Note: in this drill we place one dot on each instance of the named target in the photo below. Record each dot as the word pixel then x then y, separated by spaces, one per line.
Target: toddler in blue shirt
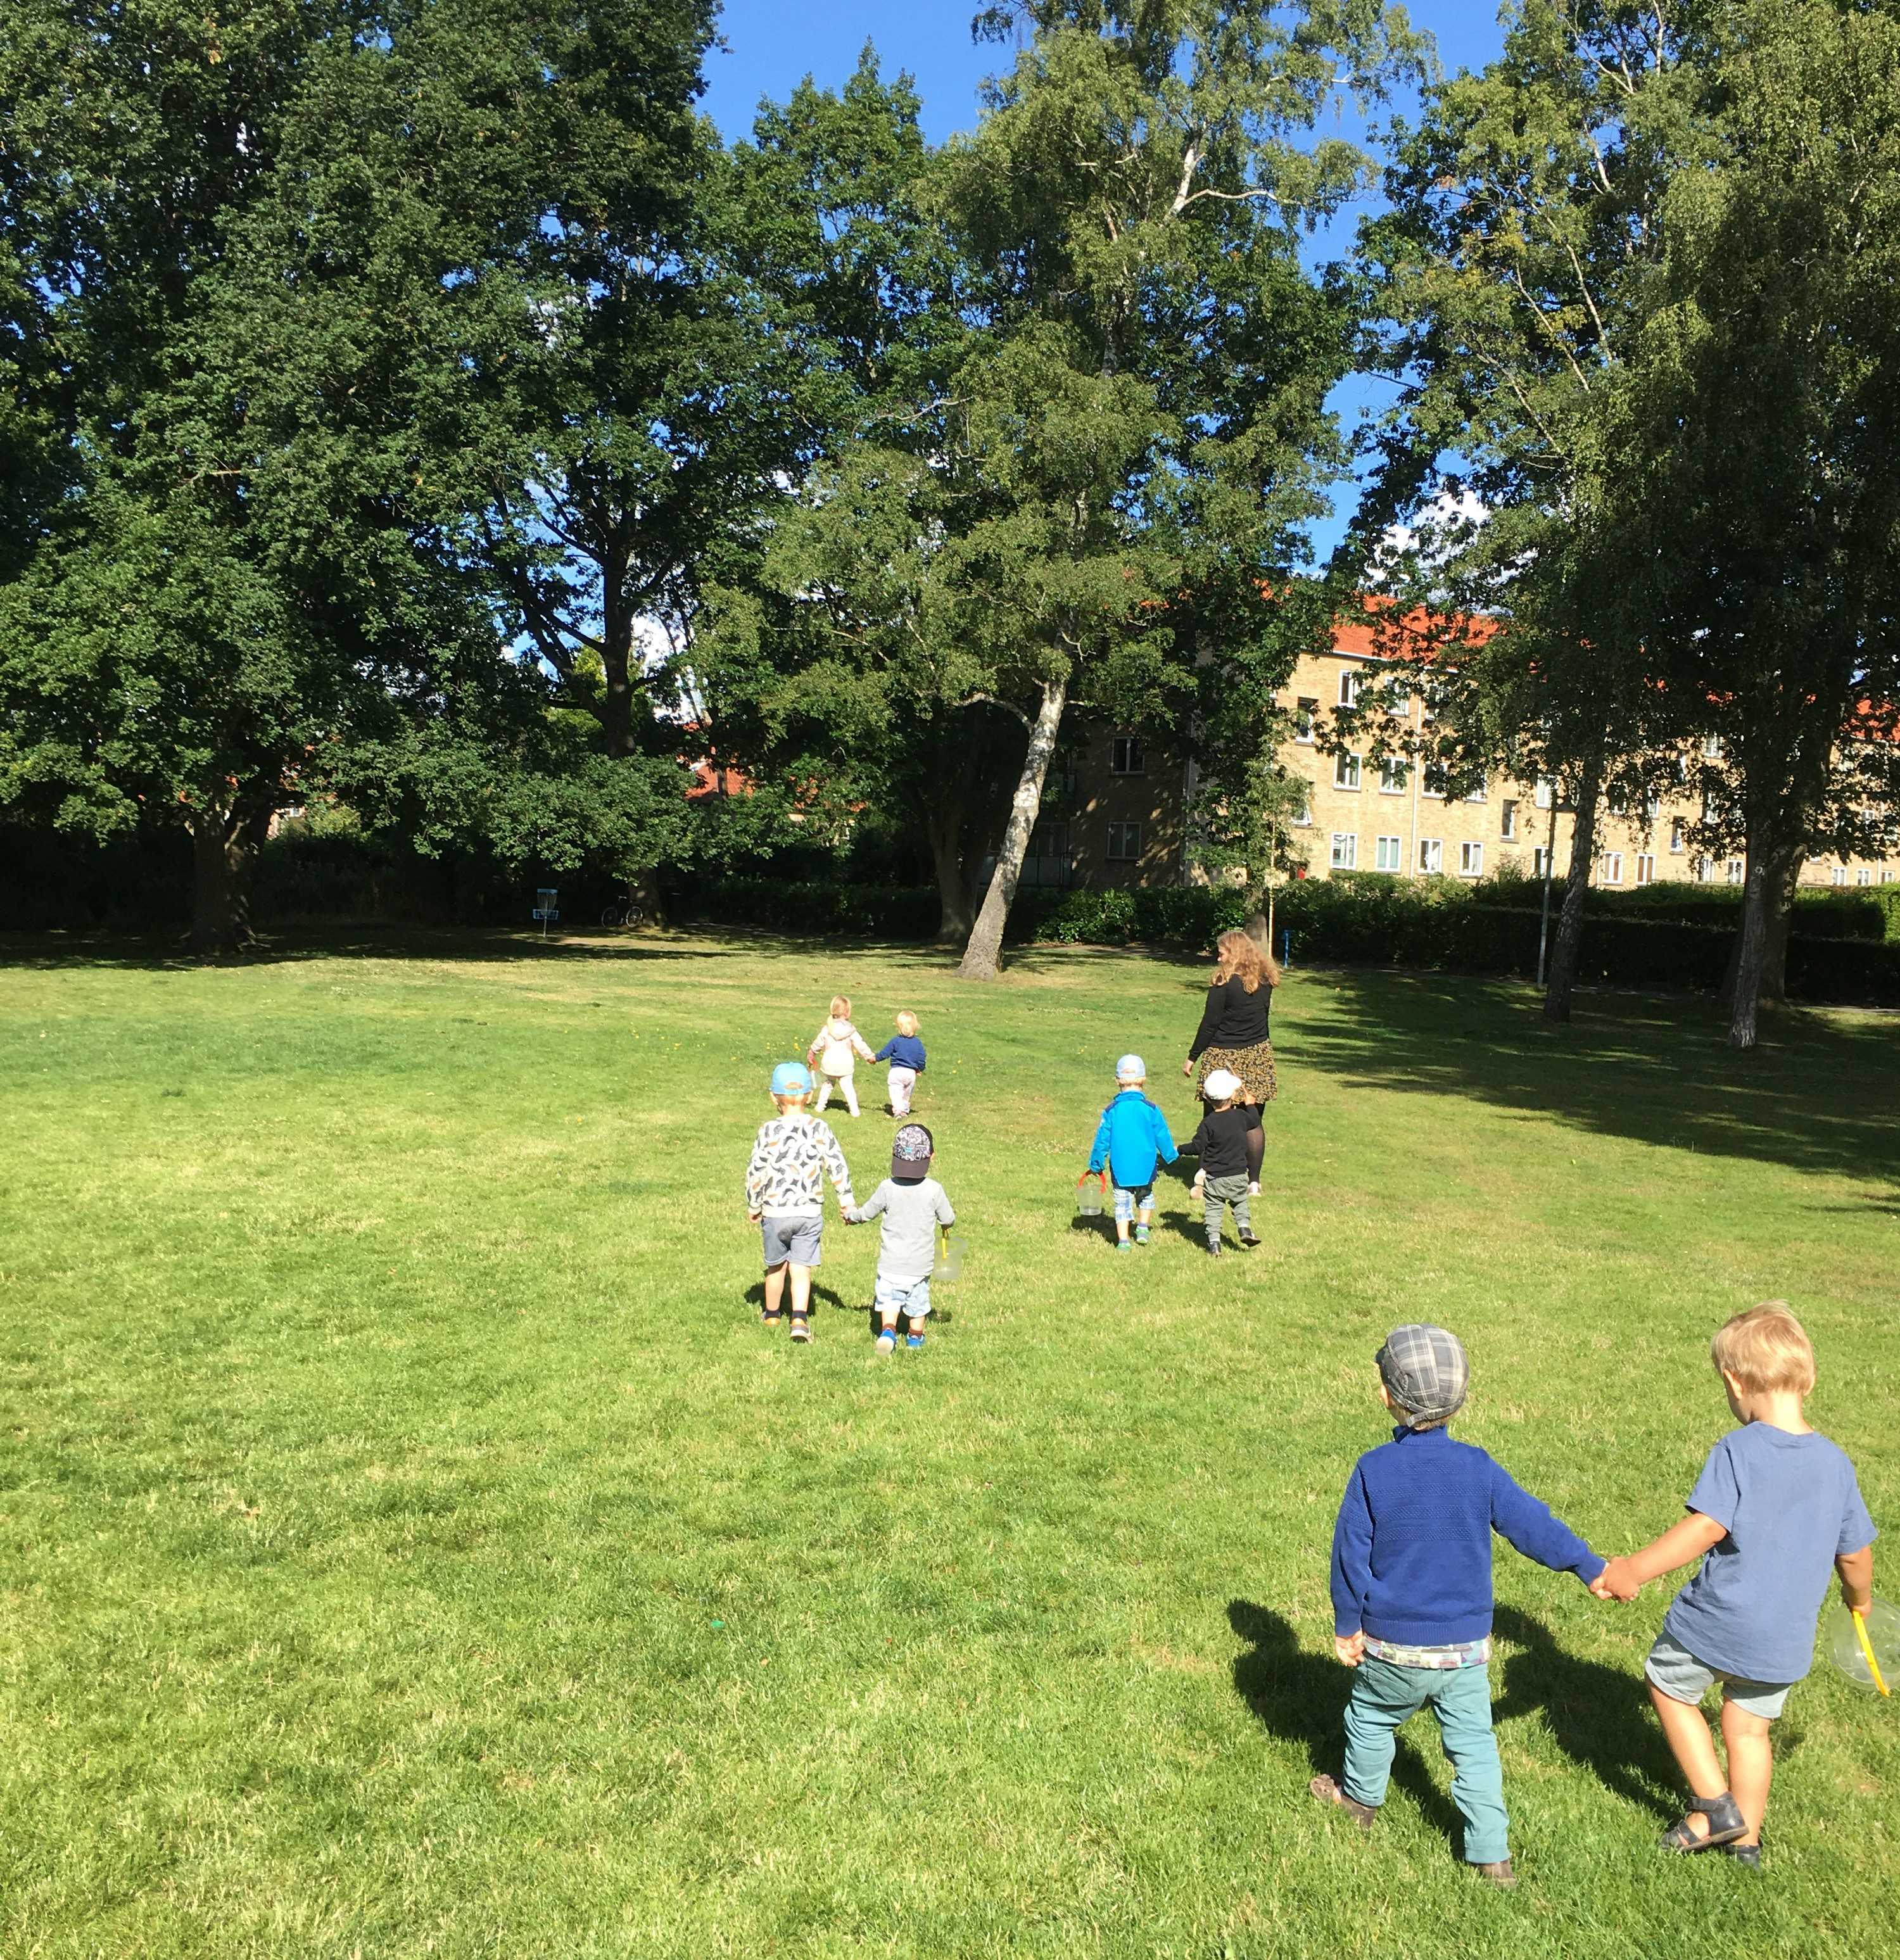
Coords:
pixel 1776 1510
pixel 1411 1592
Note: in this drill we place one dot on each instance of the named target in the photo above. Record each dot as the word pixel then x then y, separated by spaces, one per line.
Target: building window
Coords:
pixel 1305 711
pixel 1391 777
pixel 1432 782
pixel 1125 843
pixel 1712 748
pixel 1886 877
pixel 1540 862
pixel 1304 815
pixel 1388 857
pixel 1675 836
pixel 1350 682
pixel 1610 867
pixel 1399 697
pixel 1737 870
pixel 1838 874
pixel 1704 870
pixel 1476 793
pixel 1507 822
pixel 1345 770
pixel 1125 757
pixel 1652 809
pixel 1431 855
pixel 1864 875
pixel 1471 860
pixel 1345 850
pixel 1542 793
pixel 1645 867
pixel 1046 862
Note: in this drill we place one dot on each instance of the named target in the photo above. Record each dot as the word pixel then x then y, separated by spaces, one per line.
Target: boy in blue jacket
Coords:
pixel 1131 1138
pixel 1412 1591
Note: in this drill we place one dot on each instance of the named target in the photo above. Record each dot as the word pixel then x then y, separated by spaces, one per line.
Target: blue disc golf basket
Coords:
pixel 546 906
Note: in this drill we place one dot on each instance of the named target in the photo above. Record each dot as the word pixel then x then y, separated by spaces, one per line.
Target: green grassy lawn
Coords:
pixel 413 1544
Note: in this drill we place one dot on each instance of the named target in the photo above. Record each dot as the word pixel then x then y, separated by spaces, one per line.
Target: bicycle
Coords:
pixel 621 911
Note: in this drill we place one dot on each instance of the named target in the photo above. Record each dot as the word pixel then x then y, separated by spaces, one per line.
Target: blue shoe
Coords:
pixel 887 1340
pixel 913 1340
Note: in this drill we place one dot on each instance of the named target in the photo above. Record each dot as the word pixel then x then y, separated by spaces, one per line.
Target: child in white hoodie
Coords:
pixel 834 1053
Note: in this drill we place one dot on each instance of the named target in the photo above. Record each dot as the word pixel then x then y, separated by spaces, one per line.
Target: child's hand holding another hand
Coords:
pixel 1350 1648
pixel 1617 1582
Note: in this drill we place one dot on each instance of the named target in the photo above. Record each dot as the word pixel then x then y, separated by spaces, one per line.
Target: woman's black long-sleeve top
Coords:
pixel 1232 1018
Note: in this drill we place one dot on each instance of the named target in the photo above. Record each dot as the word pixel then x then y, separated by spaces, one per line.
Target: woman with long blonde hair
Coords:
pixel 1233 1031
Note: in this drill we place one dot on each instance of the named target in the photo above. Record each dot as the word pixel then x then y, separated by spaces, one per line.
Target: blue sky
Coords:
pixel 771 45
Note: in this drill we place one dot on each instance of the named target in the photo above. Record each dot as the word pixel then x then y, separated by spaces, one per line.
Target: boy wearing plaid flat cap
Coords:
pixel 1412 1591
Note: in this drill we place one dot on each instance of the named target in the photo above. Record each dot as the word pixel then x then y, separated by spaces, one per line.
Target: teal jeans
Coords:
pixel 1384 1697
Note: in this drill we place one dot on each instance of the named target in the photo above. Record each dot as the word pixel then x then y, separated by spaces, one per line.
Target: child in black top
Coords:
pixel 1230 1144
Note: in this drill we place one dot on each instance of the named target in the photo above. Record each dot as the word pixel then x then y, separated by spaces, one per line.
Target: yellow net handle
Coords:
pixel 1866 1647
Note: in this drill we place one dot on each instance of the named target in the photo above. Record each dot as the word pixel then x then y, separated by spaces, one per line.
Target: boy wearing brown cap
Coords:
pixel 1412 1591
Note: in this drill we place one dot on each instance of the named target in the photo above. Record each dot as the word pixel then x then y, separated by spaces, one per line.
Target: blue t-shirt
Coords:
pixel 1790 1506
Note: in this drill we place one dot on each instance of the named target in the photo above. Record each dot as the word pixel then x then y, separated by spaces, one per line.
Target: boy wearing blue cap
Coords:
pixel 1131 1138
pixel 792 1155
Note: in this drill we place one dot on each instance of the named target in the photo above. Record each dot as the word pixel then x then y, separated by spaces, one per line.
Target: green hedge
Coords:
pixel 778 904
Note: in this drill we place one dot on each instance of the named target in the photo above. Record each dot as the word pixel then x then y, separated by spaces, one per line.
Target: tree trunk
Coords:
pixel 224 844
pixel 1763 941
pixel 617 660
pixel 944 821
pixel 1570 918
pixel 981 956
pixel 1774 972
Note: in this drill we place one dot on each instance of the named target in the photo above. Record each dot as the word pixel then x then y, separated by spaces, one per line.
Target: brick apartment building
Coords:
pixel 1114 810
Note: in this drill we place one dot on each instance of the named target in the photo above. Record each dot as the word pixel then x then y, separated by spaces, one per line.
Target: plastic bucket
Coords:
pixel 949 1268
pixel 1089 1191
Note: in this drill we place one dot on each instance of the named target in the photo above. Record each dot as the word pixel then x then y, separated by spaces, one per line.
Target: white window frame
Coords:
pixel 1351 680
pixel 1431 855
pixel 1864 875
pixel 1303 816
pixel 1705 870
pixel 1424 783
pixel 1390 855
pixel 1712 748
pixel 1507 821
pixel 1645 867
pixel 1479 794
pixel 1393 773
pixel 1345 850
pixel 1125 856
pixel 1738 871
pixel 1347 764
pixel 1543 792
pixel 1470 860
pixel 1126 756
pixel 1306 712
pixel 1609 866
pixel 1837 874
pixel 1538 854
pixel 1678 843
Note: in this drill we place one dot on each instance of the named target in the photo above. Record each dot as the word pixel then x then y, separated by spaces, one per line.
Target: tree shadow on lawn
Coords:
pixel 167 952
pixel 1817 1094
pixel 1598 1715
pixel 1302 1696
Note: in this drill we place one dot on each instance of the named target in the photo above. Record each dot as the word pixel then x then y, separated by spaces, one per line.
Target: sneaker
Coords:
pixel 1124 1245
pixel 913 1340
pixel 1140 1235
pixel 1328 1791
pixel 769 1319
pixel 887 1340
pixel 1214 1249
pixel 1498 1874
pixel 801 1327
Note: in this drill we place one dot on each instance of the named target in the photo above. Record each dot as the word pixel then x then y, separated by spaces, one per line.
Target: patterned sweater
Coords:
pixel 790 1158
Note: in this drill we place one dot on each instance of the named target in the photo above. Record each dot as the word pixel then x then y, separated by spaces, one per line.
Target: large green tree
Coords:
pixel 272 264
pixel 1516 269
pixel 1756 444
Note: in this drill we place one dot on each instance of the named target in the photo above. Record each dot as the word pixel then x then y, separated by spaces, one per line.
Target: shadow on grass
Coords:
pixel 1817 1095
pixel 821 1296
pixel 1598 1715
pixel 1301 1696
pixel 370 941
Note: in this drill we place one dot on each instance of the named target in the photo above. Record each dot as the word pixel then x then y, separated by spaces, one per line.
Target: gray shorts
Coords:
pixel 1682 1677
pixel 793 1239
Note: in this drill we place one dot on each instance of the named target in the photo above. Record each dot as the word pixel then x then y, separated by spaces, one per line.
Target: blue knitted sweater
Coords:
pixel 1412 1550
